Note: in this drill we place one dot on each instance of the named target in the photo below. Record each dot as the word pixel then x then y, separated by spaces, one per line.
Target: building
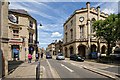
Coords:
pixel 58 47
pixel 51 48
pixel 3 38
pixel 22 34
pixel 79 36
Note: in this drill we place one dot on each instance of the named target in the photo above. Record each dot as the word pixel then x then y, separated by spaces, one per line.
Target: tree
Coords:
pixel 108 29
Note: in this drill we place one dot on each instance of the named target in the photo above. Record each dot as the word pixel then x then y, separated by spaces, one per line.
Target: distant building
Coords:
pixel 51 48
pixel 22 34
pixel 58 47
pixel 4 36
pixel 79 36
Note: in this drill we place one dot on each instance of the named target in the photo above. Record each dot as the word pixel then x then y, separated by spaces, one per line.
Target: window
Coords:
pixel 16 31
pixel 71 31
pixel 31 24
pixel 17 19
pixel 15 36
pixel 92 29
pixel 66 36
pixel 66 27
pixel 81 31
pixel 30 38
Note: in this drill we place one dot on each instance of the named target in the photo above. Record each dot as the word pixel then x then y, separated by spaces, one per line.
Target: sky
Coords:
pixel 52 15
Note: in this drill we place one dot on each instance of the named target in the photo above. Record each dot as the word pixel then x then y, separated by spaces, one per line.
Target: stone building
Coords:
pixel 22 34
pixel 51 48
pixel 4 37
pixel 79 36
pixel 58 47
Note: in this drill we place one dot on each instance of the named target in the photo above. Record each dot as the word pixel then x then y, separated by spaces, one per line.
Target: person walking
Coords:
pixel 29 58
pixel 41 55
pixel 37 56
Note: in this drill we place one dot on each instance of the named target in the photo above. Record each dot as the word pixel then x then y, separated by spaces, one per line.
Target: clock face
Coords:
pixel 81 19
pixel 12 18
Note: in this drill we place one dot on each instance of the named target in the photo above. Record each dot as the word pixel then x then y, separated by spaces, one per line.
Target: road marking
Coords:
pixel 67 68
pixel 73 64
pixel 80 66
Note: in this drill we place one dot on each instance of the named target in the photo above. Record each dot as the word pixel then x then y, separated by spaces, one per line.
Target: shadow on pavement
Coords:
pixel 12 65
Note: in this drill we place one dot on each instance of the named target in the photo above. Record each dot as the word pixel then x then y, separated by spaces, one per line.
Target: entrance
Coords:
pixel 15 52
pixel 82 50
pixel 103 49
pixel 66 52
pixel 71 50
pixel 2 65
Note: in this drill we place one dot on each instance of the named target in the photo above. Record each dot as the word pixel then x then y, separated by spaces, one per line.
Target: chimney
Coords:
pixel 88 5
pixel 88 10
pixel 98 11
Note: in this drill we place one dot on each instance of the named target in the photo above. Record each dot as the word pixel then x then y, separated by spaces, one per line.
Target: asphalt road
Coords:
pixel 70 70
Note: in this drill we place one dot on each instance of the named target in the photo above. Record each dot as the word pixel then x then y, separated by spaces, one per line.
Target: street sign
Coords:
pixel 0 64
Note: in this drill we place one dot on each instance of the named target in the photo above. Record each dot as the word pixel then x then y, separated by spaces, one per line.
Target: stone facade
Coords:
pixel 79 36
pixel 58 47
pixel 51 48
pixel 22 35
pixel 4 35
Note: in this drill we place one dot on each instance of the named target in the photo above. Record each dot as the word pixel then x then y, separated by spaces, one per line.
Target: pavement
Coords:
pixel 25 70
pixel 28 70
pixel 98 68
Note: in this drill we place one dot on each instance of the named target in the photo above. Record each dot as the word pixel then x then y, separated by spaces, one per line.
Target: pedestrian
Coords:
pixel 29 58
pixel 37 56
pixel 41 55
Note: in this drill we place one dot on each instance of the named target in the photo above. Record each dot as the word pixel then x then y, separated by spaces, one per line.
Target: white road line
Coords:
pixel 80 66
pixel 64 61
pixel 67 68
pixel 73 64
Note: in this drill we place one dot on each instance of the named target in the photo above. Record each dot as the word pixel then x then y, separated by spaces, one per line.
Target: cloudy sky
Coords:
pixel 53 14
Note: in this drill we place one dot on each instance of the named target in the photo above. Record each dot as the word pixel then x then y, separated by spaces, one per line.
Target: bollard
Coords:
pixel 38 71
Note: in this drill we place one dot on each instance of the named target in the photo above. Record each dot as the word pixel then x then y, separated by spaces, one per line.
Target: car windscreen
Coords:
pixel 60 54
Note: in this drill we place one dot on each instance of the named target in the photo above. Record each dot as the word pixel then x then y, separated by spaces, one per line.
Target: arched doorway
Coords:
pixel 103 48
pixel 82 50
pixel 93 48
pixel 71 50
pixel 65 51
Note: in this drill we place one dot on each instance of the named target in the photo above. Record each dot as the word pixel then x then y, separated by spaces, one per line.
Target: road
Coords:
pixel 62 69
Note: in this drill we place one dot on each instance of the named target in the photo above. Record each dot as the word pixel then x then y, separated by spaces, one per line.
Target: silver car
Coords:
pixel 60 56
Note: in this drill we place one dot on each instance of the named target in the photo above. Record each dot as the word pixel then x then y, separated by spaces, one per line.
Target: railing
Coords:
pixel 38 71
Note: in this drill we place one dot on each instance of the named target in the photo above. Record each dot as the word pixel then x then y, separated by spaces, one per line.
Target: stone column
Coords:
pixel 98 17
pixel 4 35
pixel 89 43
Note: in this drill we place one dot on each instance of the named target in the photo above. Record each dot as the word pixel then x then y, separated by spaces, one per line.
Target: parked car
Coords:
pixel 48 56
pixel 76 57
pixel 60 56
